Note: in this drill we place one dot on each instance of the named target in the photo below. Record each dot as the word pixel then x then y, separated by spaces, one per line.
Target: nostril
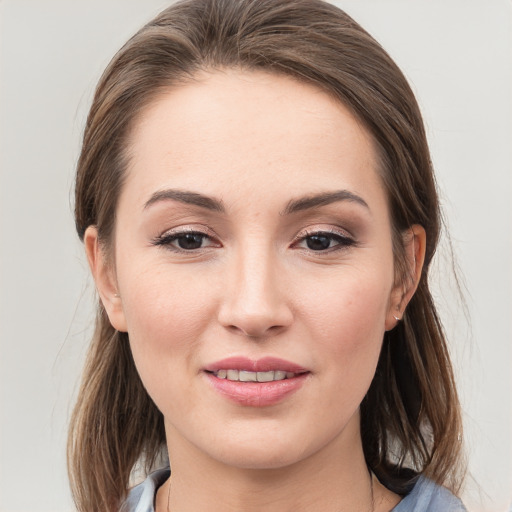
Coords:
pixel 255 332
pixel 255 310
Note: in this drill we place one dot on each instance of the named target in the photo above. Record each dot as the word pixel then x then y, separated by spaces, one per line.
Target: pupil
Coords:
pixel 318 243
pixel 190 241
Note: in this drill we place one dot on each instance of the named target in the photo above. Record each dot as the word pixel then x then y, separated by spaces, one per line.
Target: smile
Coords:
pixel 247 376
pixel 256 383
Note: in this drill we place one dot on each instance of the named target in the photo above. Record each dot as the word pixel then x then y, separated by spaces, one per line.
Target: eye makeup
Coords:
pixel 187 239
pixel 321 241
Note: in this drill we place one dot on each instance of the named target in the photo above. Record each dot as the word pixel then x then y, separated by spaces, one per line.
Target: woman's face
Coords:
pixel 253 242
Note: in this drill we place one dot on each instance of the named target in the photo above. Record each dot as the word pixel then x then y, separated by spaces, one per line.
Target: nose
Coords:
pixel 254 298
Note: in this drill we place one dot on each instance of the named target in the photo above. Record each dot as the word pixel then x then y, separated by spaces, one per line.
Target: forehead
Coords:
pixel 232 130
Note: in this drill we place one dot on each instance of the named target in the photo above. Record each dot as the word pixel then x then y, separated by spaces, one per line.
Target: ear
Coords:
pixel 105 279
pixel 414 243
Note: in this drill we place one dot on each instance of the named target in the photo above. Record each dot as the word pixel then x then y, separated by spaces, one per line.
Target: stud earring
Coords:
pixel 396 318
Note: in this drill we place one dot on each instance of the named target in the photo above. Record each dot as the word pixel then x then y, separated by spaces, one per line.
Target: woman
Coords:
pixel 259 212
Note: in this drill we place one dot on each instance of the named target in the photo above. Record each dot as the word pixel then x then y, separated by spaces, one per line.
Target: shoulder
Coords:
pixel 141 498
pixel 426 496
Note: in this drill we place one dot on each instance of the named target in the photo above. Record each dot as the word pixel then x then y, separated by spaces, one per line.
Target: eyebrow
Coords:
pixel 186 197
pixel 293 206
pixel 322 199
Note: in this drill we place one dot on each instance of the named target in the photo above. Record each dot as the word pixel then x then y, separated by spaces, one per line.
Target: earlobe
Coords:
pixel 414 244
pixel 104 278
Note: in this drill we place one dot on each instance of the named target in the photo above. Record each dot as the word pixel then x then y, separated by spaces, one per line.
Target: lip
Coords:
pixel 256 394
pixel 265 364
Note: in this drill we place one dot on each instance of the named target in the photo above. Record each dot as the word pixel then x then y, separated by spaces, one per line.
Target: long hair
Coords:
pixel 410 418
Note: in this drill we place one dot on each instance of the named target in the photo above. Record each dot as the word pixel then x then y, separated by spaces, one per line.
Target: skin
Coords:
pixel 254 287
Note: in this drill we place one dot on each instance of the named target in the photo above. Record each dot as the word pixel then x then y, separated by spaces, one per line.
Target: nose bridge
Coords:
pixel 254 301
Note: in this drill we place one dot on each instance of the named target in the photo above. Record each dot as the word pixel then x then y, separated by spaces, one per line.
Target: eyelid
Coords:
pixel 323 230
pixel 167 236
pixel 189 228
pixel 342 237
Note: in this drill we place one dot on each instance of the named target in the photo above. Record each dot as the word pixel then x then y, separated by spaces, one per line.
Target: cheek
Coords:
pixel 355 303
pixel 346 329
pixel 346 321
pixel 166 312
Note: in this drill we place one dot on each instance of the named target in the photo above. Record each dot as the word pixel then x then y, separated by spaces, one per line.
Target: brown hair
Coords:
pixel 410 418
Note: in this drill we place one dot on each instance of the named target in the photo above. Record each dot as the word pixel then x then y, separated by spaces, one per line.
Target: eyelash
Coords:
pixel 342 241
pixel 166 240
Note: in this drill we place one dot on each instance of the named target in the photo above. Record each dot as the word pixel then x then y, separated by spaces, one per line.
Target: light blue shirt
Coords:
pixel 426 496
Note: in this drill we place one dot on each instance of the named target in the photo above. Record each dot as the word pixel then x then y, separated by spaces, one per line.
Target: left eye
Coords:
pixel 188 241
pixel 324 241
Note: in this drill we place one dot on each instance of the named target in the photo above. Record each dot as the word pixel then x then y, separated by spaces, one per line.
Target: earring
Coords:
pixel 116 295
pixel 396 318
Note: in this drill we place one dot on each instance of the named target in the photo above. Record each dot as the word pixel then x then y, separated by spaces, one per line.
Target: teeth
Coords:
pixel 267 376
pixel 246 376
pixel 232 375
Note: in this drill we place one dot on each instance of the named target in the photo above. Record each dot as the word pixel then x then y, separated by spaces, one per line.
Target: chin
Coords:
pixel 257 459
pixel 260 449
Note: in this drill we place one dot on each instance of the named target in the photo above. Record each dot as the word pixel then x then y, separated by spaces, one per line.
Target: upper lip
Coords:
pixel 265 364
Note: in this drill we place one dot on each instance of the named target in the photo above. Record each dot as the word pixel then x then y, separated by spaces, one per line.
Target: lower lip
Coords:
pixel 257 394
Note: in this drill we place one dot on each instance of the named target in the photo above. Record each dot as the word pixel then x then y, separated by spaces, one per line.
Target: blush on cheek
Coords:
pixel 352 339
pixel 166 334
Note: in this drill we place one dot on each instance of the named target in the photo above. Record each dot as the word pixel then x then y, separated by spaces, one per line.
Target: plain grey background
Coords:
pixel 457 55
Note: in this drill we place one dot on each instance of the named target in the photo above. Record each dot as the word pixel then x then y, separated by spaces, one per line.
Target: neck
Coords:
pixel 333 479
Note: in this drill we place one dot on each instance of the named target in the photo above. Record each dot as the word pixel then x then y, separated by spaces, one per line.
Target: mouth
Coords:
pixel 248 376
pixel 260 383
